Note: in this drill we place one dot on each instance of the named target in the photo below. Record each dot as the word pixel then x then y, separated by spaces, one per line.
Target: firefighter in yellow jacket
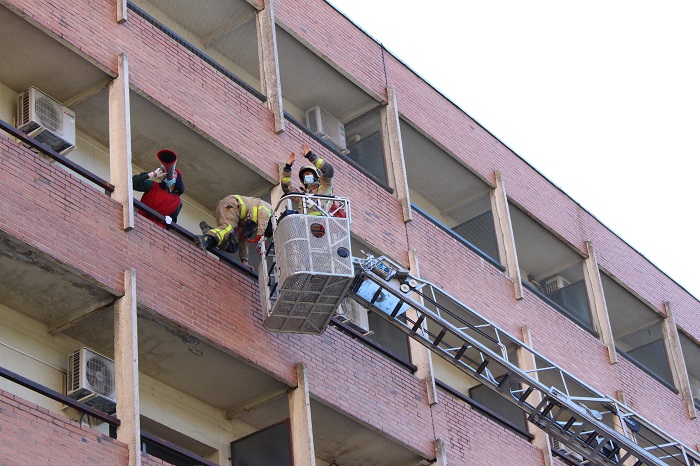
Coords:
pixel 316 178
pixel 241 220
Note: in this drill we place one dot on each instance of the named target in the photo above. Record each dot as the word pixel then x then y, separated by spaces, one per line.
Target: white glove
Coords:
pixel 157 173
pixel 168 220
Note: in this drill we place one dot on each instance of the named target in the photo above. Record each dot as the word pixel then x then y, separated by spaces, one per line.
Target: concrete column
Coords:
pixel 676 360
pixel 420 355
pixel 596 298
pixel 269 65
pixel 120 141
pixel 526 361
pixel 127 368
pixel 300 420
pixel 121 11
pixel 393 151
pixel 440 453
pixel 504 234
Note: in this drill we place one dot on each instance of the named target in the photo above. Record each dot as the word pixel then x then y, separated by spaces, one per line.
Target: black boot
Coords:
pixel 204 226
pixel 205 241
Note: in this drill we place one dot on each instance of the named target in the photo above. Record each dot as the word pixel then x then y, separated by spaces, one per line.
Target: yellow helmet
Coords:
pixel 309 168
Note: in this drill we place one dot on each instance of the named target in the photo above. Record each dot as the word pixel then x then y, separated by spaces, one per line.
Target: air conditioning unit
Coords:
pixel 565 450
pixel 327 126
pixel 352 313
pixel 91 380
pixel 46 120
pixel 555 283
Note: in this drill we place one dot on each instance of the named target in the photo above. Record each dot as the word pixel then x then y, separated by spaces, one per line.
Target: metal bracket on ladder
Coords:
pixel 566 416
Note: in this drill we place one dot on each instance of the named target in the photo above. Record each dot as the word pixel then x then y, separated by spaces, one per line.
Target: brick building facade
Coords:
pixel 227 85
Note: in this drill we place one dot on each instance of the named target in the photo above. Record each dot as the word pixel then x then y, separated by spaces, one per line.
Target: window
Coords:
pixel 551 269
pixel 637 330
pixel 691 355
pixel 448 193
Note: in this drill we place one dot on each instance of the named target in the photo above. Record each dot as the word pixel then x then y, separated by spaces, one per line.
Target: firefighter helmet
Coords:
pixel 309 168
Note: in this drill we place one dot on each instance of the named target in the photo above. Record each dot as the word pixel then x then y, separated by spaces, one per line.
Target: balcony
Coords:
pixel 551 269
pixel 448 193
pixel 636 328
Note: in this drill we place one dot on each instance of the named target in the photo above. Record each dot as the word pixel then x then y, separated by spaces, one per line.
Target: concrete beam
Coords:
pixel 596 298
pixel 253 403
pixel 87 93
pixel 393 152
pixel 420 355
pixel 676 360
pixel 269 65
pixel 300 421
pixel 127 368
pixel 526 362
pixel 257 4
pixel 232 25
pixel 120 141
pixel 504 234
pixel 74 318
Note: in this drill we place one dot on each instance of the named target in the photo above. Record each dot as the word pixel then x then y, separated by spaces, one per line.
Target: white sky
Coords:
pixel 607 91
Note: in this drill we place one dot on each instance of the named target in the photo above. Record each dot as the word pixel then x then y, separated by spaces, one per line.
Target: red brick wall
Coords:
pixel 475 440
pixel 208 297
pixel 30 435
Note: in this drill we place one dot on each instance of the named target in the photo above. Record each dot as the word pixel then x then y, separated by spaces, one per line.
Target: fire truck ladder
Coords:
pixel 593 428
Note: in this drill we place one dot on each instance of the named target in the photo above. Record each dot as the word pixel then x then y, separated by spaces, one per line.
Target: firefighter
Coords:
pixel 241 220
pixel 316 178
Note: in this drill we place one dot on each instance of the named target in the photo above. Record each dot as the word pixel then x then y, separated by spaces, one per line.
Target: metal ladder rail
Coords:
pixel 650 435
pixel 555 413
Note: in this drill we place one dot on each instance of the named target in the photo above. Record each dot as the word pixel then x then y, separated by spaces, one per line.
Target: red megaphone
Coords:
pixel 167 159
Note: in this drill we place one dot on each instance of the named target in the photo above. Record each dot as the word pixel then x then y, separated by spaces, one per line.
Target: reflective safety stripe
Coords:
pixel 255 212
pixel 241 207
pixel 220 233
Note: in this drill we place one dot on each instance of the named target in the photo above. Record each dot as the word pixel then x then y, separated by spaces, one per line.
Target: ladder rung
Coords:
pixel 461 352
pixel 418 323
pixel 482 366
pixel 525 394
pixel 396 310
pixel 568 424
pixel 592 436
pixel 439 338
pixel 376 295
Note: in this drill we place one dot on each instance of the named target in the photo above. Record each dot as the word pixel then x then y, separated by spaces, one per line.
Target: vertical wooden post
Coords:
pixel 300 420
pixel 120 141
pixel 526 362
pixel 504 234
pixel 121 11
pixel 420 355
pixel 676 360
pixel 440 452
pixel 596 298
pixel 269 65
pixel 394 147
pixel 127 368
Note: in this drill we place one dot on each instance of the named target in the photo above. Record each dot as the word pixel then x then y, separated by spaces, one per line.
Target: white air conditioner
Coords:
pixel 91 380
pixel 46 120
pixel 555 283
pixel 327 126
pixel 565 450
pixel 352 313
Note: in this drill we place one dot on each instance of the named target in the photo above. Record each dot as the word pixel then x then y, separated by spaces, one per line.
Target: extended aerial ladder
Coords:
pixel 301 290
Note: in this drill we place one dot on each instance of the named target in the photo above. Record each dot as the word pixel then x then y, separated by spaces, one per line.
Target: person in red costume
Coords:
pixel 160 194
